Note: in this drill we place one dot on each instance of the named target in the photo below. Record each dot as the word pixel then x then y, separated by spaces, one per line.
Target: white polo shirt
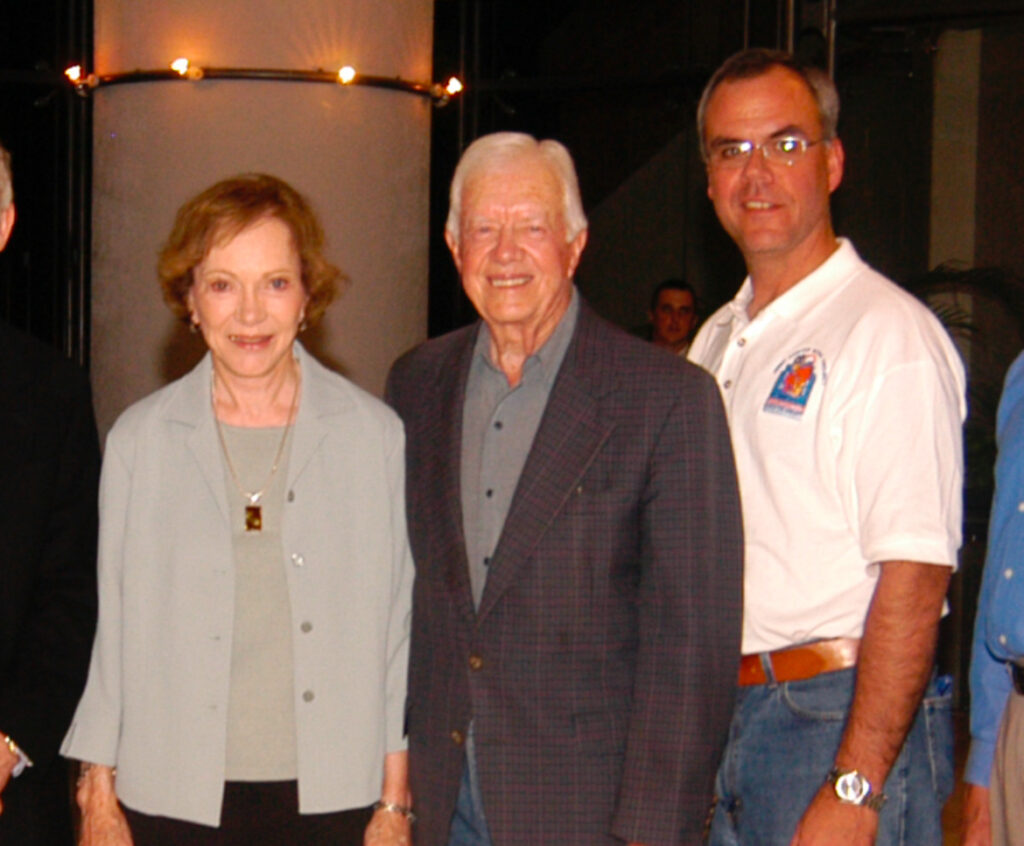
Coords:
pixel 845 399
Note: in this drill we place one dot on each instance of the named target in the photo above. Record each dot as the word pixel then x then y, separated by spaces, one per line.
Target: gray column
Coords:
pixel 361 155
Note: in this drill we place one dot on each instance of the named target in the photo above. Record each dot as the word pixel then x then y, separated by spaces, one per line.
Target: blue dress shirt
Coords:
pixel 999 626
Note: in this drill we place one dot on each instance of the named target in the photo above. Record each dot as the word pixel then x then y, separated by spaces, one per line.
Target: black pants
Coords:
pixel 255 814
pixel 37 807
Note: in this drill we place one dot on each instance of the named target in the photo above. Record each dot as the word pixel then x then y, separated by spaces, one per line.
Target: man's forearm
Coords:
pixel 894 664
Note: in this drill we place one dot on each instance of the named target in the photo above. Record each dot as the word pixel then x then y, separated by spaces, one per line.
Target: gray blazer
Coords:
pixel 155 704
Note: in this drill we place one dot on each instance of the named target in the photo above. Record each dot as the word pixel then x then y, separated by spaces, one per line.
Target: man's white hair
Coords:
pixel 489 150
pixel 6 186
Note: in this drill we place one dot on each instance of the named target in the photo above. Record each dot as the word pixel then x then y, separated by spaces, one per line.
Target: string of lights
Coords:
pixel 183 69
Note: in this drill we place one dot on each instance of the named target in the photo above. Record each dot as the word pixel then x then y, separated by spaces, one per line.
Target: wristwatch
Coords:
pixel 853 789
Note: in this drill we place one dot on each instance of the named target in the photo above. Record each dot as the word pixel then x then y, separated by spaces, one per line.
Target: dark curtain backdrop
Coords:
pixel 44 270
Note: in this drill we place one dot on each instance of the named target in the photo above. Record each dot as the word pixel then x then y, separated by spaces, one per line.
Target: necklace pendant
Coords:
pixel 253 518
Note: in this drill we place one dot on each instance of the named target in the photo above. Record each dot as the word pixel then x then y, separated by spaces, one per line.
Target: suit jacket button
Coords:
pixel 457 737
pixel 475 662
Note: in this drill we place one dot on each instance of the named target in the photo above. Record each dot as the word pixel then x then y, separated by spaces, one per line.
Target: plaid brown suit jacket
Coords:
pixel 600 668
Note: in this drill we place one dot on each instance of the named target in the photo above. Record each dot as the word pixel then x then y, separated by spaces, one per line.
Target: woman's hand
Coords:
pixel 392 826
pixel 105 830
pixel 388 828
pixel 103 823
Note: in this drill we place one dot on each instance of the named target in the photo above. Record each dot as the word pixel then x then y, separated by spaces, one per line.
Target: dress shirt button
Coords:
pixel 1002 640
pixel 291 496
pixel 306 626
pixel 476 662
pixel 727 383
pixel 1020 507
pixel 742 342
pixel 297 559
pixel 308 696
pixel 457 737
pixel 1008 573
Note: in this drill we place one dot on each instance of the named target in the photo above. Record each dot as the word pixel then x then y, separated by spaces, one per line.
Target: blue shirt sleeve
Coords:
pixel 999 626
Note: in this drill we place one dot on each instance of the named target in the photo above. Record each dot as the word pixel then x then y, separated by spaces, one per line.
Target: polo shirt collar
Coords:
pixel 809 291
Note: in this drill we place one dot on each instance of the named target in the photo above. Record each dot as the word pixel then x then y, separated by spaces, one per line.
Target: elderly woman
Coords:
pixel 247 683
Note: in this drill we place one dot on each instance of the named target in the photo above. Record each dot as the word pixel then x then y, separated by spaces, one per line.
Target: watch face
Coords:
pixel 852 787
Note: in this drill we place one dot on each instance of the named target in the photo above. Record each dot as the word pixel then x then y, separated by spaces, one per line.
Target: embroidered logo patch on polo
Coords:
pixel 795 383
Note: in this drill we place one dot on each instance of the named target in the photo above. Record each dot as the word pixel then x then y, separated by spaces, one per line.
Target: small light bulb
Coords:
pixel 180 66
pixel 74 73
pixel 454 86
pixel 346 74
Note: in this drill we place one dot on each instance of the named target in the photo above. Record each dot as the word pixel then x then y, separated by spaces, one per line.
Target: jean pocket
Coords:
pixel 824 698
pixel 937 709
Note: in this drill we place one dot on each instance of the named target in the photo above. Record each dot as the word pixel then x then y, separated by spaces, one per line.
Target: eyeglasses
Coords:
pixel 785 150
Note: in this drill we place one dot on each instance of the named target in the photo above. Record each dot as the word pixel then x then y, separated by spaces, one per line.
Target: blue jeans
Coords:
pixel 782 744
pixel 469 825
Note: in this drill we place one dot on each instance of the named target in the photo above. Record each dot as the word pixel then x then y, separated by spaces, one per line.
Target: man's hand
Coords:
pixel 977 824
pixel 8 761
pixel 829 821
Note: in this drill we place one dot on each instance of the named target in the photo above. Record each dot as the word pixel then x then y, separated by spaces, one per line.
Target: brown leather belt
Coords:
pixel 805 661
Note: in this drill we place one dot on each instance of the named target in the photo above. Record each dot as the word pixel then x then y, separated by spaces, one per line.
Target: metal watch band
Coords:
pixel 852 788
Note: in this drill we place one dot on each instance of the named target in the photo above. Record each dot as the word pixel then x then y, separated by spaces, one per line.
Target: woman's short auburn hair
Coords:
pixel 220 213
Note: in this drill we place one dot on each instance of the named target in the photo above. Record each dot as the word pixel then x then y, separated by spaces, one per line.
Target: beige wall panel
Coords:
pixel 955 148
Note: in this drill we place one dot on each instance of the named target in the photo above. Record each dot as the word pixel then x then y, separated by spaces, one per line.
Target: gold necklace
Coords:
pixel 253 508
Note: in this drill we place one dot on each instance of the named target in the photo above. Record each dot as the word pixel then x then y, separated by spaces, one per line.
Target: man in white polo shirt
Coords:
pixel 845 400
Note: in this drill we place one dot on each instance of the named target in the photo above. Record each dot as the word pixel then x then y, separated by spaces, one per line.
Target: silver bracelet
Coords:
pixel 83 771
pixel 395 808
